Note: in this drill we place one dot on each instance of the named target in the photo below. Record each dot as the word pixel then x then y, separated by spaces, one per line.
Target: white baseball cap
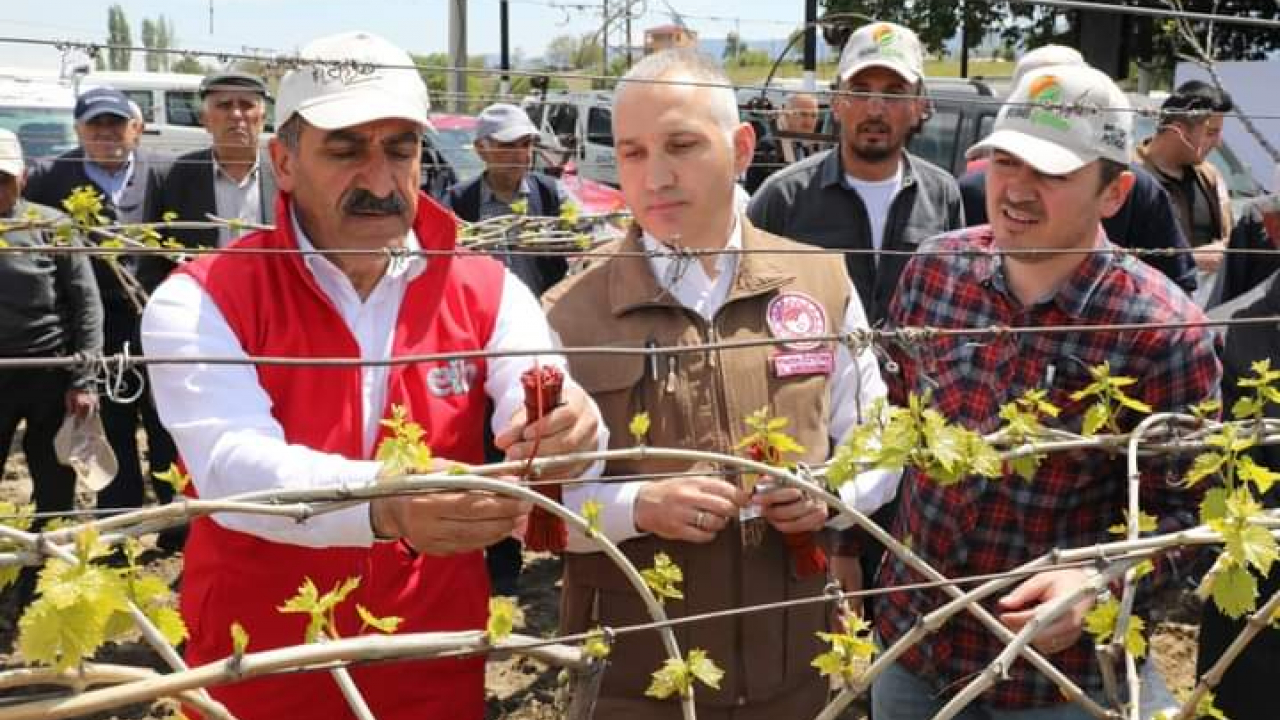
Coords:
pixel 10 154
pixel 505 123
pixel 339 96
pixel 1043 57
pixel 1060 119
pixel 883 45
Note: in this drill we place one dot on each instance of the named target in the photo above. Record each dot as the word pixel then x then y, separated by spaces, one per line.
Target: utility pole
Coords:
pixel 810 45
pixel 504 30
pixel 628 27
pixel 964 38
pixel 457 78
pixel 604 40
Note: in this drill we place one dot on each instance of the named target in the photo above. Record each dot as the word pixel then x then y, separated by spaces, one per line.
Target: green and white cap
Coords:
pixel 885 45
pixel 1060 119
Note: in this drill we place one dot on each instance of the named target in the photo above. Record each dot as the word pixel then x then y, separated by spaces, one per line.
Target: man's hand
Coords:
pixel 444 523
pixel 791 510
pixel 1020 606
pixel 81 403
pixel 1209 257
pixel 571 427
pixel 692 509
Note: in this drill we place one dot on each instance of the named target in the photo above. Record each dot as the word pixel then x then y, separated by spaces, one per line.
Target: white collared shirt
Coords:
pixel 236 200
pixel 855 384
pixel 220 417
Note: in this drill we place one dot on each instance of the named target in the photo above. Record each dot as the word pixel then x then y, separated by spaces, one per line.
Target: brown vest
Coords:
pixel 699 401
pixel 1208 180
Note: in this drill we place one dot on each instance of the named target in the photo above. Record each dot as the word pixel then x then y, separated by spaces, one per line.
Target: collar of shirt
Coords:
pixel 402 268
pixel 684 277
pixel 220 175
pixel 486 192
pixel 112 183
pixel 1072 296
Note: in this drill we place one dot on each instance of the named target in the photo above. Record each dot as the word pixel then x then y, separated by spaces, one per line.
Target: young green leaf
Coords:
pixel 1235 591
pixel 596 645
pixel 175 477
pixel 385 625
pixel 676 677
pixel 639 427
pixel 239 639
pixel 591 513
pixel 664 578
pixel 503 616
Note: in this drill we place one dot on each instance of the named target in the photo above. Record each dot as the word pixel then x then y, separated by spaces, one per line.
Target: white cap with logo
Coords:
pixel 885 45
pixel 10 154
pixel 338 96
pixel 1043 57
pixel 1060 119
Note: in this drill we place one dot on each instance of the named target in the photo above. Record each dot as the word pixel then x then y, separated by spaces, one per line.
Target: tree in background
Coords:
pixel 567 52
pixel 157 36
pixel 733 47
pixel 118 36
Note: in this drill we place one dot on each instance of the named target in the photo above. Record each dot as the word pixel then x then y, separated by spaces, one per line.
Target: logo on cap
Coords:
pixel 883 35
pixel 1045 90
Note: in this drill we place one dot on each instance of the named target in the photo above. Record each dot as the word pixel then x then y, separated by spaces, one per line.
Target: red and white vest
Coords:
pixel 275 308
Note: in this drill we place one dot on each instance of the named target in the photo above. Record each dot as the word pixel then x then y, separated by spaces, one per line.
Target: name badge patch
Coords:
pixel 798 318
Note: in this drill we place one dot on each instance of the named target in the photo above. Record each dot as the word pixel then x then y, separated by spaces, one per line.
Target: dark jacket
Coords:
pixel 185 186
pixel 49 183
pixel 1242 272
pixel 1145 220
pixel 809 202
pixel 48 301
pixel 1238 694
pixel 537 272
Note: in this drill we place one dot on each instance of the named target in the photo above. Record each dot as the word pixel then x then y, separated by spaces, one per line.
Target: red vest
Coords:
pixel 275 308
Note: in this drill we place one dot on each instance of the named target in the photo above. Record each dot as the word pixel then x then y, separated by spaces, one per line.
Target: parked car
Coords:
pixel 449 157
pixel 39 110
pixel 576 127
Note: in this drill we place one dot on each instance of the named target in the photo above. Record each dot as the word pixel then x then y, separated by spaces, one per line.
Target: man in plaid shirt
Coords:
pixel 1059 157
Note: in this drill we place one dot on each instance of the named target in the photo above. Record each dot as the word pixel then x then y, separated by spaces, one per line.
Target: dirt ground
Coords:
pixel 519 688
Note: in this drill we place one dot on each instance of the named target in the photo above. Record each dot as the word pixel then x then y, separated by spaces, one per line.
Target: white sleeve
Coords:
pixel 220 418
pixel 854 387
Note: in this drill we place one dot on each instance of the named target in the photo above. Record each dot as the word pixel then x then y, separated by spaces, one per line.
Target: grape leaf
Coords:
pixel 596 645
pixel 1235 591
pixel 639 427
pixel 591 513
pixel 503 616
pixel 386 625
pixel 664 578
pixel 239 639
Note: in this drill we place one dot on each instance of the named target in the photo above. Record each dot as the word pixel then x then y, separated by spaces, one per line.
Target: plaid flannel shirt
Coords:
pixel 989 526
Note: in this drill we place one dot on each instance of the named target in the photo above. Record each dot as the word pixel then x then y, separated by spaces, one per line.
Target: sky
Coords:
pixel 420 26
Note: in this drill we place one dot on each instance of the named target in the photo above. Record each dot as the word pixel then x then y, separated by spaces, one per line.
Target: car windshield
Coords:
pixel 43 131
pixel 1240 182
pixel 456 146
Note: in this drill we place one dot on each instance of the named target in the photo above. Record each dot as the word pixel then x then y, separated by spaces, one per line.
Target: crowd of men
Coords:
pixel 1022 241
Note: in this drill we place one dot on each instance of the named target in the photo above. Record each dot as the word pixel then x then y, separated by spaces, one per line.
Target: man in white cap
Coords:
pixel 869 192
pixel 347 158
pixel 1059 165
pixel 504 140
pixel 48 306
pixel 1145 220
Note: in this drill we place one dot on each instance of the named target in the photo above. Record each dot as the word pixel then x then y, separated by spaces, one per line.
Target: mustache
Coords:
pixel 874 126
pixel 363 202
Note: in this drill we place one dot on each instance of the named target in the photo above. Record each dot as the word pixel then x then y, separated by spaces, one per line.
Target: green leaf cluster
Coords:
pixel 849 652
pixel 1107 392
pixel 1100 622
pixel 664 578
pixel 676 677
pixel 404 450
pixel 18 517
pixel 504 617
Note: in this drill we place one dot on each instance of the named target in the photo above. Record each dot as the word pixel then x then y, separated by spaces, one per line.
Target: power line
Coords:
pixel 1152 12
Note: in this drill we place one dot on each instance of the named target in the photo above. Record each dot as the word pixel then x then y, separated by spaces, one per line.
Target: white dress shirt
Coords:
pixel 855 384
pixel 220 416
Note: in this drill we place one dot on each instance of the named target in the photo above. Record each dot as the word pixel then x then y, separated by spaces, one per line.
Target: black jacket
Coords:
pixel 185 186
pixel 537 272
pixel 50 182
pixel 1145 220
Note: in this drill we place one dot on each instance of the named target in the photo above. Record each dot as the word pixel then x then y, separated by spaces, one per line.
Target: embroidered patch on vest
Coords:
pixel 796 316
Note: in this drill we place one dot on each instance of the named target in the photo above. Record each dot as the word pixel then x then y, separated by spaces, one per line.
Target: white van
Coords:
pixel 39 109
pixel 582 125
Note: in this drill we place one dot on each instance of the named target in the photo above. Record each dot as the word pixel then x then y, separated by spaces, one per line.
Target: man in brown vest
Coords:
pixel 680 145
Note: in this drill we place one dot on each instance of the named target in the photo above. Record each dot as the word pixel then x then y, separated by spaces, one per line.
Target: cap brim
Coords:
pixel 1045 156
pixel 898 68
pixel 99 112
pixel 512 134
pixel 348 109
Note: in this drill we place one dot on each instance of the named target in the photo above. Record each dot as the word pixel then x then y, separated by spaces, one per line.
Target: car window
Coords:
pixel 43 132
pixel 181 107
pixel 600 126
pixel 145 102
pixel 563 120
pixel 458 149
pixel 534 111
pixel 936 141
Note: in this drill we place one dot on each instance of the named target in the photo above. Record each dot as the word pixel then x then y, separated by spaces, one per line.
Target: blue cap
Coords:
pixel 102 101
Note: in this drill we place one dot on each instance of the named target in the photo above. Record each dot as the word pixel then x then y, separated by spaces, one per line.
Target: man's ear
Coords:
pixel 282 163
pixel 1116 193
pixel 744 146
